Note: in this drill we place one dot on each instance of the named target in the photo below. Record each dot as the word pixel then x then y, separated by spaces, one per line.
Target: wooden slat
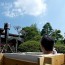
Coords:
pixel 40 60
pixel 57 59
pixel 8 61
pixel 1 59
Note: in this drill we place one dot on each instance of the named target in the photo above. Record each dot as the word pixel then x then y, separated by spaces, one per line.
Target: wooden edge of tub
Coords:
pixel 9 61
pixel 49 60
pixel 1 58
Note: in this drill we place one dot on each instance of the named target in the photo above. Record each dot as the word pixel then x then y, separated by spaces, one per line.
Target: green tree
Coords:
pixel 30 32
pixel 57 35
pixel 47 29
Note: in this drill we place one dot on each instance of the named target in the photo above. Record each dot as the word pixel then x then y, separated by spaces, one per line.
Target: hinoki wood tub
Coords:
pixel 31 58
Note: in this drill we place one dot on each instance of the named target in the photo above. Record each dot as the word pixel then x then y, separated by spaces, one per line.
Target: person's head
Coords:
pixel 47 44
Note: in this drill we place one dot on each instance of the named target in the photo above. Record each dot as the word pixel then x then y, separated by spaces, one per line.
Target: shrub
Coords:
pixel 60 48
pixel 30 46
pixel 59 42
pixel 37 38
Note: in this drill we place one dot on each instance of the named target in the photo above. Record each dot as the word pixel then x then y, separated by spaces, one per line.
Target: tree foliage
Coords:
pixel 47 29
pixel 30 32
pixel 57 35
pixel 32 37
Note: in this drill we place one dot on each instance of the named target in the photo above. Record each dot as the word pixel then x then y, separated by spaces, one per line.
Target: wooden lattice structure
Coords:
pixel 5 31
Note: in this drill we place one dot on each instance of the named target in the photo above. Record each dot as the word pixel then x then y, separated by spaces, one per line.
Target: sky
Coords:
pixel 27 12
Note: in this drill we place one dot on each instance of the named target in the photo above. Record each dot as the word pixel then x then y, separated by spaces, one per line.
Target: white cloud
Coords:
pixel 28 7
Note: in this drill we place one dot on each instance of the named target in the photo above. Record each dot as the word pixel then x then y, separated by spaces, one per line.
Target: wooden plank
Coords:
pixel 47 61
pixel 60 59
pixel 8 61
pixel 64 60
pixel 56 59
pixel 40 60
pixel 1 59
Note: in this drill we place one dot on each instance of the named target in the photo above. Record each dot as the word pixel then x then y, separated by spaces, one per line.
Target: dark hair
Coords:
pixel 47 42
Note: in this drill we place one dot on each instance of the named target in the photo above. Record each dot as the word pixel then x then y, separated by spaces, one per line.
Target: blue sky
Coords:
pixel 26 12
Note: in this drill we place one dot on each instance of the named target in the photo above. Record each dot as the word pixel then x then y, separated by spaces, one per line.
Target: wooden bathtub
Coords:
pixel 31 58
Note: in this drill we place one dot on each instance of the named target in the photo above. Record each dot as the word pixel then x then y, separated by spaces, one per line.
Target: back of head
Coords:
pixel 47 43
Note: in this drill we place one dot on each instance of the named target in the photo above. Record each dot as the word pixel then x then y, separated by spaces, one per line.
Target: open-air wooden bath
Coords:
pixel 31 58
